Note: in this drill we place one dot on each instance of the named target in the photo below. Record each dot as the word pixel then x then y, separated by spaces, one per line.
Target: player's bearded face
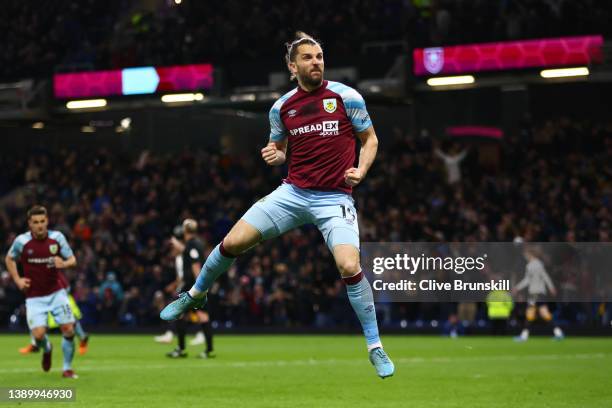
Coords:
pixel 38 225
pixel 310 65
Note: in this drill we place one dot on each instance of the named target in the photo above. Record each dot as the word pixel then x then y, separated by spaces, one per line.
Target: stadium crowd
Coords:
pixel 552 182
pixel 41 38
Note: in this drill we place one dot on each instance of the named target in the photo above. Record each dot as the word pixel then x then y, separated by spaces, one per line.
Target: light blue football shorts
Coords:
pixel 289 207
pixel 56 303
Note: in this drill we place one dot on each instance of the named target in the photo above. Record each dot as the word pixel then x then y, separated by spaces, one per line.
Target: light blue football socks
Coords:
pixel 78 330
pixel 362 300
pixel 68 351
pixel 216 264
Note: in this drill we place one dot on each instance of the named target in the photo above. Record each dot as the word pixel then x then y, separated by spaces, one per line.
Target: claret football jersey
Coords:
pixel 37 259
pixel 321 130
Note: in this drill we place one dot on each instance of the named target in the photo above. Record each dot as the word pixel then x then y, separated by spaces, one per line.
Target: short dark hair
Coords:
pixel 36 210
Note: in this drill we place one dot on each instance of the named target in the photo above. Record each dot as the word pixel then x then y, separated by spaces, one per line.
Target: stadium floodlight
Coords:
pixel 245 97
pixel 124 125
pixel 86 103
pixel 451 80
pixel 564 72
pixel 185 97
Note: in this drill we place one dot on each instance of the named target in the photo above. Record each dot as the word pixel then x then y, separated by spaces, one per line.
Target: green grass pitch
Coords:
pixel 325 371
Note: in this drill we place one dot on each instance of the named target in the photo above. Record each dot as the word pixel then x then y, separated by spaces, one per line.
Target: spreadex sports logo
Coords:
pixel 49 261
pixel 325 128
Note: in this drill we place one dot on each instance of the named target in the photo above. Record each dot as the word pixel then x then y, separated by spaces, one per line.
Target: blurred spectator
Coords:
pixel 452 162
pixel 111 284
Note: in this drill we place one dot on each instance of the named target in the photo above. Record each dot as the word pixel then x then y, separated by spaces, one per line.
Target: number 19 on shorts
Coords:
pixel 348 213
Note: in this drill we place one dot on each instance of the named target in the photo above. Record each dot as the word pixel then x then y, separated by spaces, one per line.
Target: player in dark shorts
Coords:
pixel 42 253
pixel 191 261
pixel 319 122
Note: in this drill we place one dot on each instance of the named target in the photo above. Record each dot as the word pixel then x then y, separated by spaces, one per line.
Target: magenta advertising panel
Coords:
pixel 551 52
pixel 133 81
pixel 87 84
pixel 480 131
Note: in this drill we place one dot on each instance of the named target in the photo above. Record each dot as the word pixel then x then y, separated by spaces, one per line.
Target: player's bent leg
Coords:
pixel 362 300
pixel 241 237
pixel 36 314
pixel 202 320
pixel 347 260
pixel 278 212
pixel 42 341
pixel 62 313
pixel 181 332
pixel 530 316
pixel 336 218
pixel 39 333
pixel 545 315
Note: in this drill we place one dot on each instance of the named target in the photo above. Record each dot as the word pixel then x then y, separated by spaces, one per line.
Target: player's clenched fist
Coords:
pixel 23 283
pixel 353 176
pixel 58 262
pixel 272 156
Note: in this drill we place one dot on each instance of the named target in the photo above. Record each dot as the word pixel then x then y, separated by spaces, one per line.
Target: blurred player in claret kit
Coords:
pixel 42 253
pixel 318 122
pixel 52 324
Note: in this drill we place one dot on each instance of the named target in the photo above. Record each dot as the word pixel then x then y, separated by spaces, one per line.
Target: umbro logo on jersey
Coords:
pixel 292 113
pixel 329 105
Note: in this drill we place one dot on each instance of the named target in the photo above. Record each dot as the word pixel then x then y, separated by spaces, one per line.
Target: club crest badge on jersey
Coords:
pixel 433 59
pixel 329 105
pixel 53 249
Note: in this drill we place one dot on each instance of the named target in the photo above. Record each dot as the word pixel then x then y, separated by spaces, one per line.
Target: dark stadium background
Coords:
pixel 117 191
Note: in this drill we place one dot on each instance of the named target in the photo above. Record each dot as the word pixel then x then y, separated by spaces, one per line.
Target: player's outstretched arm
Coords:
pixel 275 153
pixel 367 154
